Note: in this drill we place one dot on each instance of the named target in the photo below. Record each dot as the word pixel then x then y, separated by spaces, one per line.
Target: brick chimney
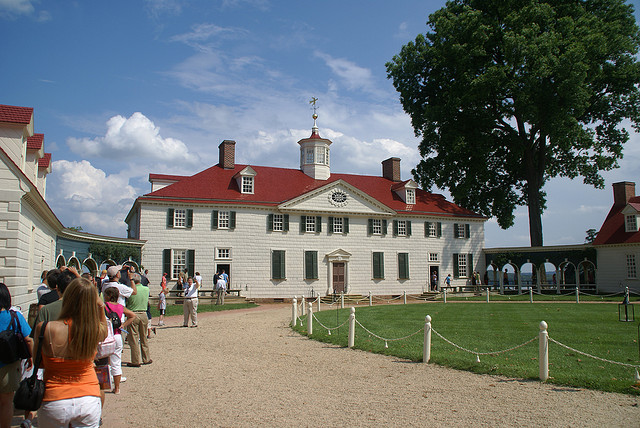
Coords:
pixel 623 191
pixel 227 157
pixel 391 169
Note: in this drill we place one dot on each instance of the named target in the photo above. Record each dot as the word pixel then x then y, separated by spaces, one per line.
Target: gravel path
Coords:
pixel 247 368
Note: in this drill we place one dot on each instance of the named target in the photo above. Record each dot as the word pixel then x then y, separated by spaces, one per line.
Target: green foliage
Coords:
pixel 509 94
pixel 591 236
pixel 117 252
pixel 590 328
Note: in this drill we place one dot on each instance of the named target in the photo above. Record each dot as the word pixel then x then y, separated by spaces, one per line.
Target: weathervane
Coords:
pixel 313 102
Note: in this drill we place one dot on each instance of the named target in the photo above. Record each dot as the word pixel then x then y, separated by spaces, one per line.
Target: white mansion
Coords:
pixel 282 232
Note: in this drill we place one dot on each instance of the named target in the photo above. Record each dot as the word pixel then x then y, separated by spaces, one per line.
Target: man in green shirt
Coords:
pixel 137 337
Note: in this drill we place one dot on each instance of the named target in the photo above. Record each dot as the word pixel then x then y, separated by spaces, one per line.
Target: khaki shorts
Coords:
pixel 10 376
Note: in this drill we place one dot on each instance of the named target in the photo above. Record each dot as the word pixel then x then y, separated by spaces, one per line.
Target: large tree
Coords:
pixel 508 94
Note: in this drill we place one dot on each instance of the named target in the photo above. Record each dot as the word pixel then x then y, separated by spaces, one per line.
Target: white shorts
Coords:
pixel 75 412
pixel 115 359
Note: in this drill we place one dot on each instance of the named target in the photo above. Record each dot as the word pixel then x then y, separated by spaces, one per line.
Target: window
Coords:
pixel 320 155
pixel 223 220
pixel 632 272
pixel 434 257
pixel 309 223
pixel 175 261
pixel 462 265
pixel 278 222
pixel 310 265
pixel 432 229
pixel 247 184
pixel 411 196
pixel 309 155
pixel 278 264
pixel 378 265
pixel 179 218
pixel 338 224
pixel 224 253
pixel 461 231
pixel 377 226
pixel 403 265
pixel 401 227
pixel 631 223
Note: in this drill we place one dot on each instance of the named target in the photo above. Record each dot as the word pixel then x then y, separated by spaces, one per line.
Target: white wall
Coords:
pixel 612 268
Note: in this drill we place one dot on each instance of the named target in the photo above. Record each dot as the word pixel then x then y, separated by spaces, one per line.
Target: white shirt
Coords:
pixel 191 291
pixel 125 291
pixel 221 284
pixel 198 279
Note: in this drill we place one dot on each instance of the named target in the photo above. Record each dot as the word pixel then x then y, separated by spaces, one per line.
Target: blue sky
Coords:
pixel 122 89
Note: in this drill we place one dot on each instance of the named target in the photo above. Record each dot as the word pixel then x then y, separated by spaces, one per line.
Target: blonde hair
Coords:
pixel 80 305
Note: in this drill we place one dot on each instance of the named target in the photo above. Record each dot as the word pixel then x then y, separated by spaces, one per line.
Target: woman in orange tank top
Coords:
pixel 72 392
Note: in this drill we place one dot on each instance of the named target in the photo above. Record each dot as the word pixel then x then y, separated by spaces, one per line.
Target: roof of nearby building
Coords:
pixel 613 228
pixel 45 161
pixel 35 142
pixel 274 186
pixel 15 114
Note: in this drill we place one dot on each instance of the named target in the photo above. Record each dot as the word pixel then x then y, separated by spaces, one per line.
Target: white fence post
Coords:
pixel 445 295
pixel 303 304
pixel 426 350
pixel 487 294
pixel 342 300
pixel 352 327
pixel 370 300
pixel 294 312
pixel 310 319
pixel 543 354
pixel 405 297
pixel 577 295
pixel 318 303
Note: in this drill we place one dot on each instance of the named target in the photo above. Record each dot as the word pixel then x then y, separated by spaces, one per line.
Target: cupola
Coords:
pixel 314 153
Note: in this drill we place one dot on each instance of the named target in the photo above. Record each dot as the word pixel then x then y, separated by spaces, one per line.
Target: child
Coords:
pixel 162 304
pixel 115 360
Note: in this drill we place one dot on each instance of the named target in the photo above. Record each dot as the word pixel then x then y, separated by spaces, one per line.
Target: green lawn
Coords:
pixel 177 309
pixel 480 327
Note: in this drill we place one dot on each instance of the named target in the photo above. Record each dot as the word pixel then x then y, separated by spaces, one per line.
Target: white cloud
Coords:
pixel 86 196
pixel 352 76
pixel 12 8
pixel 132 138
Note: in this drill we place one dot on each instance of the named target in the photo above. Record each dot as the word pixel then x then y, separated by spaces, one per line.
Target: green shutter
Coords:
pixel 427 225
pixel 330 225
pixel 467 231
pixel 403 266
pixel 170 218
pixel 303 223
pixel 277 264
pixel 166 263
pixel 378 265
pixel 456 271
pixel 270 222
pixel 214 219
pixel 439 229
pixel 189 218
pixel 318 224
pixel 370 229
pixel 232 220
pixel 311 265
pixel 395 227
pixel 345 225
pixel 285 223
pixel 191 261
pixel 455 230
pixel 384 227
pixel 408 227
pixel 469 265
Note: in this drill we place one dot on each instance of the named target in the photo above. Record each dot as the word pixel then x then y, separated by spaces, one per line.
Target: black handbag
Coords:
pixel 12 344
pixel 31 390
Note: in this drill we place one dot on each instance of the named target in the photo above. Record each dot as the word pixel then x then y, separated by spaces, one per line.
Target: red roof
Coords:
pixel 44 161
pixel 35 142
pixel 15 114
pixel 613 228
pixel 274 186
pixel 166 177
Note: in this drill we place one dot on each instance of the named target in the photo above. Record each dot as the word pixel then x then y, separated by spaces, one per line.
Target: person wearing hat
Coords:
pixel 113 272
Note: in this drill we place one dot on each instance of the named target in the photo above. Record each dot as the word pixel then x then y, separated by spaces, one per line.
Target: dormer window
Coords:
pixel 309 155
pixel 411 196
pixel 631 223
pixel 247 184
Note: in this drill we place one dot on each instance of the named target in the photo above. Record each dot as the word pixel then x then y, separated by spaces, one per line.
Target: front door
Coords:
pixel 338 277
pixel 227 269
pixel 434 278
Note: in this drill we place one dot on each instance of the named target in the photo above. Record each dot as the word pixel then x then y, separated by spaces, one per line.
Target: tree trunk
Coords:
pixel 534 175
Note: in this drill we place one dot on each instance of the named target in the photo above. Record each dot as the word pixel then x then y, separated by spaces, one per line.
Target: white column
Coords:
pixel 370 299
pixel 310 320
pixel 543 354
pixel 426 351
pixel 294 312
pixel 352 328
